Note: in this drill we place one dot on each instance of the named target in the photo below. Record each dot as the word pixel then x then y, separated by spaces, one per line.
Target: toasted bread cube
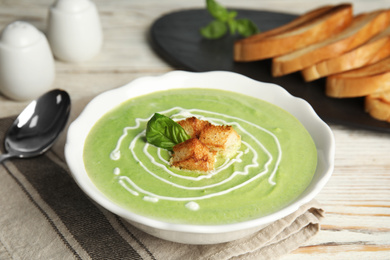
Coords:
pixel 222 139
pixel 193 155
pixel 193 126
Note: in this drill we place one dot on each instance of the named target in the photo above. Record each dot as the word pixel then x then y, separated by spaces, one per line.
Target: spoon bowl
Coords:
pixel 38 126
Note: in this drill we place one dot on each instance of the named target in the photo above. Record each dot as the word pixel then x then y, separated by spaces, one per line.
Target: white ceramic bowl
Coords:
pixel 199 234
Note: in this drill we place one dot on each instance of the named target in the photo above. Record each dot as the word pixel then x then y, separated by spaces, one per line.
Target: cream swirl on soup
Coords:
pixel 158 160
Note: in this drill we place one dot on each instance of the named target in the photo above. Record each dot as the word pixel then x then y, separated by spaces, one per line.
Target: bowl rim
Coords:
pixel 272 93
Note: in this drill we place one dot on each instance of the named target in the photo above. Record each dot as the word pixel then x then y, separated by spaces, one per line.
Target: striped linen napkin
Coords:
pixel 45 215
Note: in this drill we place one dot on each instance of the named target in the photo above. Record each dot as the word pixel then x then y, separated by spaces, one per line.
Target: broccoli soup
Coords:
pixel 275 163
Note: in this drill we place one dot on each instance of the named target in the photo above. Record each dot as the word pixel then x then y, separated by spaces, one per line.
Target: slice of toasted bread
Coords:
pixel 308 28
pixel 370 79
pixel 378 105
pixel 375 49
pixel 293 25
pixel 362 28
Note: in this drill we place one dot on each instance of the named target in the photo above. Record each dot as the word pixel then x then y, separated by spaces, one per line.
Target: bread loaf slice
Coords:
pixel 362 28
pixel 375 49
pixel 378 105
pixel 299 21
pixel 370 79
pixel 308 28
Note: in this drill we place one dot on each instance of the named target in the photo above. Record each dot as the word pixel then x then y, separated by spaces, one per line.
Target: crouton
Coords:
pixel 222 139
pixel 193 126
pixel 207 142
pixel 193 155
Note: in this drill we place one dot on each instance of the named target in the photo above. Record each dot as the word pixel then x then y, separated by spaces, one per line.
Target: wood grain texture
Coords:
pixel 357 197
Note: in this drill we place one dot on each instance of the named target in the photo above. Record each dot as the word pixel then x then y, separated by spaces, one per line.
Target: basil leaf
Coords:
pixel 214 30
pixel 163 132
pixel 232 26
pixel 225 20
pixel 232 15
pixel 246 27
pixel 217 11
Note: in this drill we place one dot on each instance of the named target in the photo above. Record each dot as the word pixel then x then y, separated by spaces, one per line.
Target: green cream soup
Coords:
pixel 274 165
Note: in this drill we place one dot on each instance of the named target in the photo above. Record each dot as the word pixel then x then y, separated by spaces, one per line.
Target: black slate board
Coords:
pixel 175 37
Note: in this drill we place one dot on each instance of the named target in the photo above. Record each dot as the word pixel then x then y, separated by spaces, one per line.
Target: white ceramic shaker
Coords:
pixel 73 30
pixel 26 62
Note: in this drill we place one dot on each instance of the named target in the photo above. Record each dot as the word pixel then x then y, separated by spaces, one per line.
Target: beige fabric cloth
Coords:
pixel 45 215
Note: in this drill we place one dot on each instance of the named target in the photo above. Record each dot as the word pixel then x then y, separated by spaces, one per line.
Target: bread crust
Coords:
pixel 307 29
pixel 369 70
pixel 373 51
pixel 364 81
pixel 378 105
pixel 357 87
pixel 293 25
pixel 363 27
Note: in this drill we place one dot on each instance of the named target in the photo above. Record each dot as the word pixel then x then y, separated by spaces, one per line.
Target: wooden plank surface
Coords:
pixel 357 197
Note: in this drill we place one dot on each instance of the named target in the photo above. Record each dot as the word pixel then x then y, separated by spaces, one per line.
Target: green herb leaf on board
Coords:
pixel 226 20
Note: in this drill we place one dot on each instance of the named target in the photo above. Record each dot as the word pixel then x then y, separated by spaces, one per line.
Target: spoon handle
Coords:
pixel 4 157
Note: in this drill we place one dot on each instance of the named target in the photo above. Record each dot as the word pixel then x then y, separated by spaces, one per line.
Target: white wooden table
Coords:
pixel 357 197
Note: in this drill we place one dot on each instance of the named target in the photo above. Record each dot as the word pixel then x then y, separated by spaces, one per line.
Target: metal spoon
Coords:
pixel 38 126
